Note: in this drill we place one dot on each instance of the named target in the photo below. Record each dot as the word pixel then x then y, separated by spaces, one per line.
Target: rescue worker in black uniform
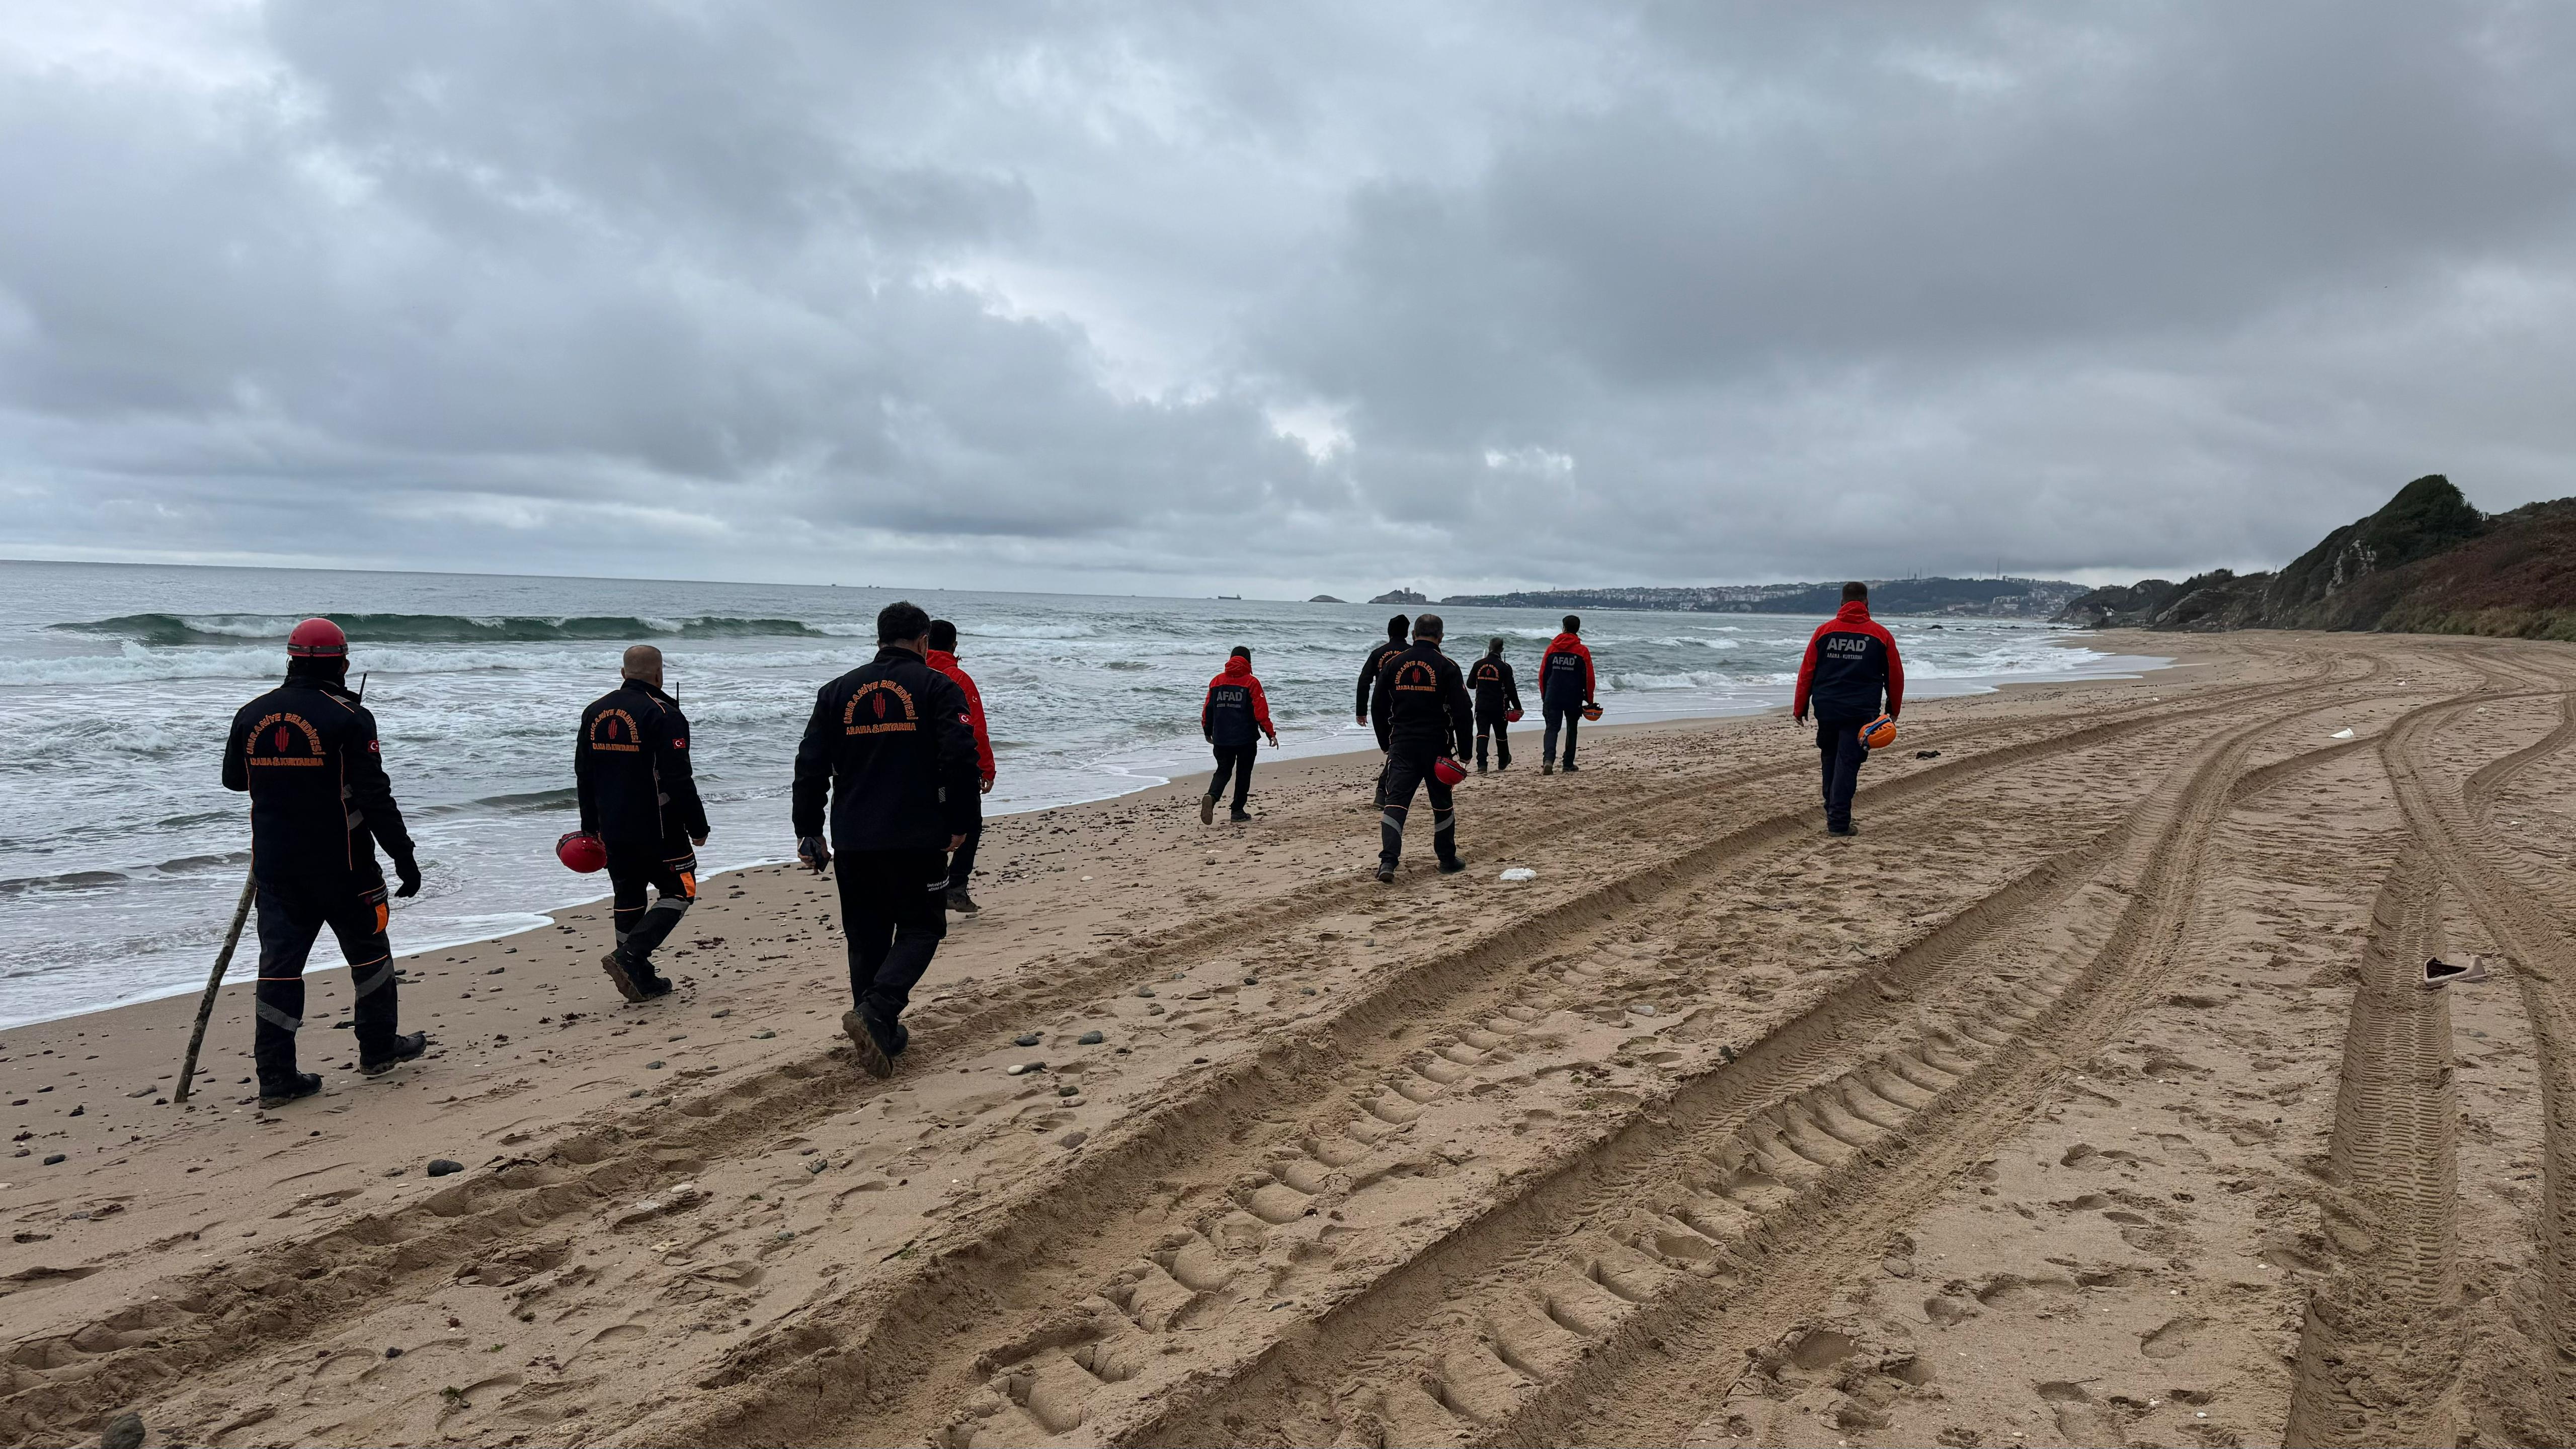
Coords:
pixel 1391 644
pixel 631 772
pixel 1498 698
pixel 1422 713
pixel 319 806
pixel 892 745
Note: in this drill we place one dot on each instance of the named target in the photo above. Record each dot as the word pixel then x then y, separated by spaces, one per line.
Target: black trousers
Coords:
pixel 1566 715
pixel 894 910
pixel 1499 727
pixel 292 913
pixel 1235 762
pixel 1404 771
pixel 634 865
pixel 961 861
pixel 1840 751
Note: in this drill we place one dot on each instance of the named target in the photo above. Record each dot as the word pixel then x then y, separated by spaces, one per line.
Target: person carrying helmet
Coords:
pixel 1232 716
pixel 1850 661
pixel 891 747
pixel 961 862
pixel 320 804
pixel 1396 628
pixel 638 794
pixel 1498 702
pixel 1423 714
pixel 1565 691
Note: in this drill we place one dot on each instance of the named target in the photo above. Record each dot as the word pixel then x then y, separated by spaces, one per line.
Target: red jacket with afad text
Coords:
pixel 1850 661
pixel 1565 671
pixel 1235 706
pixel 946 663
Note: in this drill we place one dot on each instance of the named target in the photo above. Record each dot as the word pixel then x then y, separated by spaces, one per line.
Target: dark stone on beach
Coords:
pixel 762 1035
pixel 1027 1038
pixel 140 1092
pixel 125 1431
pixel 442 1166
pixel 80 1111
pixel 653 1066
pixel 54 1158
pixel 1089 1038
pixel 393 1353
pixel 720 1015
pixel 1251 980
pixel 1140 991
pixel 1072 1140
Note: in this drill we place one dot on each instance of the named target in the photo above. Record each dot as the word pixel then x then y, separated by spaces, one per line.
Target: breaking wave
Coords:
pixel 170 630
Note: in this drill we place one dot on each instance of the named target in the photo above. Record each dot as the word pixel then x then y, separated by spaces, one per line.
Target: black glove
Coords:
pixel 407 870
pixel 815 852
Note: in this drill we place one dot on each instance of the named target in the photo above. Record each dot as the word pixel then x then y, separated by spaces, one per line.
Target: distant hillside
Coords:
pixel 2426 563
pixel 1983 598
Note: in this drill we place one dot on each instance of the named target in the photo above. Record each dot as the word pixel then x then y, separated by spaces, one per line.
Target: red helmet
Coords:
pixel 1448 771
pixel 317 639
pixel 581 852
pixel 1511 716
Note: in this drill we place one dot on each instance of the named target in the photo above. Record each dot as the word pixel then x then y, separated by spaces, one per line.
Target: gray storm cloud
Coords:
pixel 1269 300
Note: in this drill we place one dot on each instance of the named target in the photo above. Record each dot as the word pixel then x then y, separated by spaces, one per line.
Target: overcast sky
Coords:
pixel 1273 299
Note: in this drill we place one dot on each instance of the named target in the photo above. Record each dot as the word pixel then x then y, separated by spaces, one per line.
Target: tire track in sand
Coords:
pixel 990 1314
pixel 2379 1354
pixel 2543 967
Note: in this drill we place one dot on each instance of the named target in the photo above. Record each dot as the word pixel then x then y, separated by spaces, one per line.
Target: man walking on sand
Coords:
pixel 1850 661
pixel 638 794
pixel 1234 713
pixel 1422 714
pixel 891 745
pixel 961 864
pixel 320 804
pixel 1498 701
pixel 1564 692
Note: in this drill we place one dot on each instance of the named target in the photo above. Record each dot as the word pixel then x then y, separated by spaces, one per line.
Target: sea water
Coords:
pixel 121 854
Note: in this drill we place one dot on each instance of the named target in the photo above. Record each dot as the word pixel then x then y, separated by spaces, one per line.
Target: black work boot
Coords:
pixel 960 902
pixel 1240 816
pixel 614 963
pixel 294 1088
pixel 1386 872
pixel 654 987
pixel 1207 810
pixel 402 1049
pixel 1451 865
pixel 875 1047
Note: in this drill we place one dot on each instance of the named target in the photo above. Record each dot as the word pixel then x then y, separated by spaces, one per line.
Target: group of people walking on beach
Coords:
pixel 889 776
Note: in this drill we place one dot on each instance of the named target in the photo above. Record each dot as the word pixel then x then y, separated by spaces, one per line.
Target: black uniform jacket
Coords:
pixel 893 745
pixel 1421 704
pixel 319 800
pixel 1368 673
pixel 630 768
pixel 1496 690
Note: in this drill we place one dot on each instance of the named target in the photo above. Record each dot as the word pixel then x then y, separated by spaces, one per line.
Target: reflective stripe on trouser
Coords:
pixel 1403 773
pixel 292 914
pixel 1499 729
pixel 673 875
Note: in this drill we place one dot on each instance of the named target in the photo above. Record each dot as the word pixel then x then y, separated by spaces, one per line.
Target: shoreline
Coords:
pixel 549 917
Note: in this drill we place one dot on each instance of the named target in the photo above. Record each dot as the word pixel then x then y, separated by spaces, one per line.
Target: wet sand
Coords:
pixel 2079 1099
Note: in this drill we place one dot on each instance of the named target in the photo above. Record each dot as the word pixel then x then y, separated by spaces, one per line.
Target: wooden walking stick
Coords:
pixel 214 983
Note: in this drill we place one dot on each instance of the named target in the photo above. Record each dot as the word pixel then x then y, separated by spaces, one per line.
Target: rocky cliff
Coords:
pixel 2426 562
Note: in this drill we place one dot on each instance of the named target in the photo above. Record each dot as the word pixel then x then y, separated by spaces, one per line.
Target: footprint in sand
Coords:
pixel 2171 1339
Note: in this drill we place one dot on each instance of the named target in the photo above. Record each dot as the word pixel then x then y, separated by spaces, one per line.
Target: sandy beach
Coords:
pixel 2088 1096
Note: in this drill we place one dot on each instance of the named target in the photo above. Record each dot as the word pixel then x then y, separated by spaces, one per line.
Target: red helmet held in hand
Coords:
pixel 1448 771
pixel 317 639
pixel 584 853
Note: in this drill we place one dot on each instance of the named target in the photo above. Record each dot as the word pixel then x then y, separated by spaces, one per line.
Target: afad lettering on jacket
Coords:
pixel 1847 644
pixel 605 734
pixel 882 718
pixel 279 732
pixel 1417 677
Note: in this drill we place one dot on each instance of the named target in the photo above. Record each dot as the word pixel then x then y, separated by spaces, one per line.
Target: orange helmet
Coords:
pixel 1879 733
pixel 317 639
pixel 1592 711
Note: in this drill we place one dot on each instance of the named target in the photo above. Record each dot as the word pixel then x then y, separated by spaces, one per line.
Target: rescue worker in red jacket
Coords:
pixel 961 862
pixel 1564 691
pixel 1851 662
pixel 320 804
pixel 637 792
pixel 1233 714
pixel 1498 699
pixel 1422 713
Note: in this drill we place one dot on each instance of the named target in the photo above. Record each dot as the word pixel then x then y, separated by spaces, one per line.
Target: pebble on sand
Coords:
pixel 1072 1140
pixel 442 1166
pixel 125 1431
pixel 1089 1038
pixel 54 1158
pixel 1019 1069
pixel 1027 1038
